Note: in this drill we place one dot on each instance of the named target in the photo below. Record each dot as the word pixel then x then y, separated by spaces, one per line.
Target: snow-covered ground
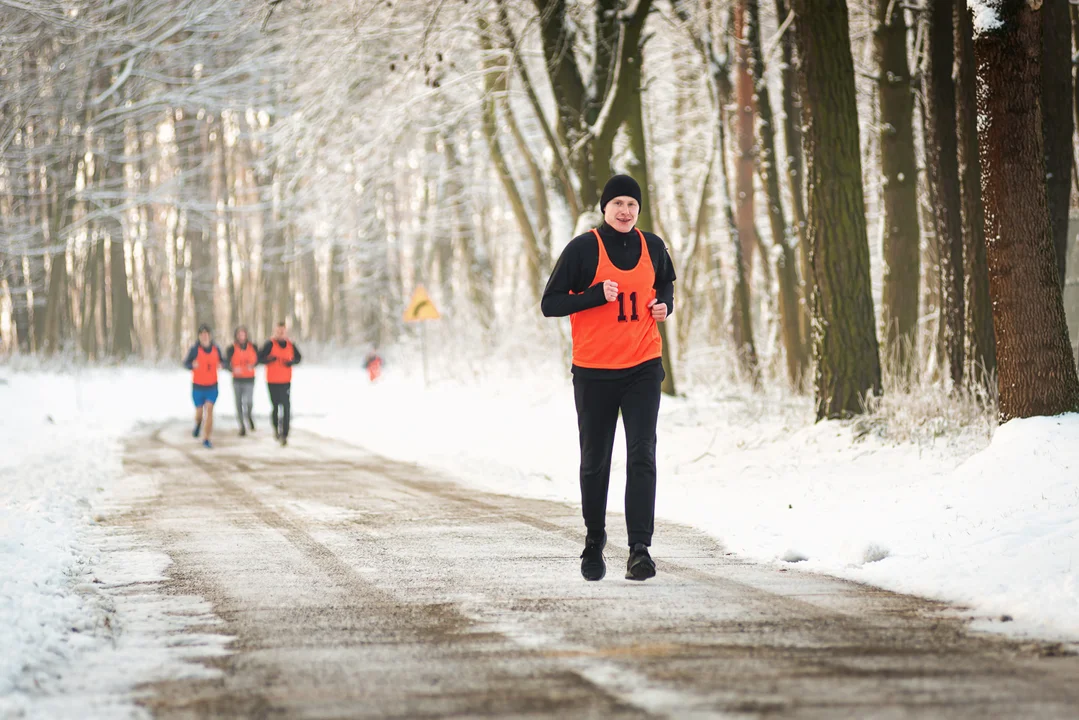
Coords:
pixel 947 514
pixel 63 582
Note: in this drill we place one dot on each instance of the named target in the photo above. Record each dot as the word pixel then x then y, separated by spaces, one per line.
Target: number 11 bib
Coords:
pixel 621 334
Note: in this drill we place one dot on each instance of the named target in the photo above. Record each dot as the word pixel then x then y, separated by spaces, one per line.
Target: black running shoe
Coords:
pixel 592 565
pixel 284 441
pixel 640 565
pixel 251 423
pixel 195 432
pixel 243 431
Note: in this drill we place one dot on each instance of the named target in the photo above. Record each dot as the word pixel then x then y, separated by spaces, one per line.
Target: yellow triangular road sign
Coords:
pixel 421 307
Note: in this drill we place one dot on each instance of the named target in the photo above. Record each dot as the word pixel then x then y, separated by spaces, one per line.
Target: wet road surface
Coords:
pixel 357 587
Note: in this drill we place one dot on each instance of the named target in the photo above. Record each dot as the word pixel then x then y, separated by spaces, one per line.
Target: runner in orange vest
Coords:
pixel 242 357
pixel 279 354
pixel 615 283
pixel 203 360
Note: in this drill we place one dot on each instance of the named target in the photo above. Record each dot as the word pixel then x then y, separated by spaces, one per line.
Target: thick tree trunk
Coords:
pixel 1036 368
pixel 1057 121
pixel 899 172
pixel 942 168
pixel 786 262
pixel 845 340
pixel 980 348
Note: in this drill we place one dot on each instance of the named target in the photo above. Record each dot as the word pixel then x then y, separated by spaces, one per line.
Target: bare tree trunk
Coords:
pixel 224 220
pixel 638 169
pixel 494 82
pixel 199 235
pixel 480 274
pixel 180 299
pixel 1036 368
pixel 899 172
pixel 312 295
pixel 740 323
pixel 91 291
pixel 56 301
pixel 539 192
pixel 20 311
pixel 337 315
pixel 1057 122
pixel 980 345
pixel 786 262
pixel 745 207
pixel 845 340
pixel 122 311
pixel 942 166
pixel 792 136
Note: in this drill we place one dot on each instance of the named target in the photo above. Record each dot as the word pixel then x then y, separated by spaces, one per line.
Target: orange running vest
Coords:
pixel 244 360
pixel 205 372
pixel 277 372
pixel 621 334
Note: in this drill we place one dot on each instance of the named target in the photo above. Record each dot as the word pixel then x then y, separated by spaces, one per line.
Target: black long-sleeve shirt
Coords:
pixel 570 288
pixel 264 353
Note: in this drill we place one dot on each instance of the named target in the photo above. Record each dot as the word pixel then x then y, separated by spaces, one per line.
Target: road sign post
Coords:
pixel 421 309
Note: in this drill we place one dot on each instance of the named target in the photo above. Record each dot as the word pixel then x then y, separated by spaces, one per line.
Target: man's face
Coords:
pixel 279 332
pixel 621 213
pixel 241 337
pixel 204 337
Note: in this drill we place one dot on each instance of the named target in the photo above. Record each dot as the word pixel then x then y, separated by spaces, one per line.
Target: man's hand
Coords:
pixel 610 290
pixel 659 310
pixel 194 364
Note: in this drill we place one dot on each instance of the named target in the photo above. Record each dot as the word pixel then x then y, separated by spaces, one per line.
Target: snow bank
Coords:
pixel 59 460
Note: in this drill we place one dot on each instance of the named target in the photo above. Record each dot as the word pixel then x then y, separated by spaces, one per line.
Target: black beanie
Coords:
pixel 618 186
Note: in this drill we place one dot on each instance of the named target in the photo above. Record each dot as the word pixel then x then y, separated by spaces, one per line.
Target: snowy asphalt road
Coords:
pixel 358 587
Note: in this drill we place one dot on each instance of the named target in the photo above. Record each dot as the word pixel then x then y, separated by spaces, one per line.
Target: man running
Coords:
pixel 203 360
pixel 242 358
pixel 279 355
pixel 615 283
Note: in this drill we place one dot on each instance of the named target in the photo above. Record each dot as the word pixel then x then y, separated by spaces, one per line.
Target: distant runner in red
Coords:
pixel 203 360
pixel 616 283
pixel 373 364
pixel 279 354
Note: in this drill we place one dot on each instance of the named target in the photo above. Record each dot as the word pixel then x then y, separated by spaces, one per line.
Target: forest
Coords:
pixel 860 196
